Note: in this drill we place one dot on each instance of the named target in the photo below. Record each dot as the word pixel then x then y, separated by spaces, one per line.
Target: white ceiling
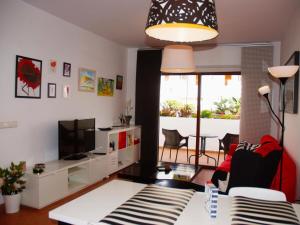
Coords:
pixel 123 21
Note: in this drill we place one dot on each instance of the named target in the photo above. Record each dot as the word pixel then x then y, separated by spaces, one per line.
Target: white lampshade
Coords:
pixel 178 59
pixel 182 21
pixel 283 71
pixel 264 90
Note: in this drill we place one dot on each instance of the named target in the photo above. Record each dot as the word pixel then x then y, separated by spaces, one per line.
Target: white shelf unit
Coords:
pixel 122 146
pixel 64 177
pixel 78 177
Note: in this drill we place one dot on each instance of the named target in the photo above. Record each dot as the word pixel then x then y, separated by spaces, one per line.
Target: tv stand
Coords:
pixel 121 148
pixel 75 157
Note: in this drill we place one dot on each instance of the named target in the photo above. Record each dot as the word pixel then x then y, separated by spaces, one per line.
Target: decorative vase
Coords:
pixel 12 203
pixel 127 120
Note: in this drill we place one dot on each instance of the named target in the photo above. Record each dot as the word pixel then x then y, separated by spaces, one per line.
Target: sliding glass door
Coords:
pixel 202 108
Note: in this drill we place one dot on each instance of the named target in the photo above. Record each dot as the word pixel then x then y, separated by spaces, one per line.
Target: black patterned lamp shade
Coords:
pixel 182 20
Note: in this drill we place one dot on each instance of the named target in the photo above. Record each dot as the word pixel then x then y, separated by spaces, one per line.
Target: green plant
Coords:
pixel 225 106
pixel 222 106
pixel 11 181
pixel 170 108
pixel 234 105
pixel 206 113
pixel 186 110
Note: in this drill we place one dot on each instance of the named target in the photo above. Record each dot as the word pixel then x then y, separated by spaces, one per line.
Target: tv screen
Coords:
pixel 75 137
pixel 66 138
pixel 85 135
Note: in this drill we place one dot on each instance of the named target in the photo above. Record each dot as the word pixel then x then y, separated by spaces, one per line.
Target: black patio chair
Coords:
pixel 225 142
pixel 174 140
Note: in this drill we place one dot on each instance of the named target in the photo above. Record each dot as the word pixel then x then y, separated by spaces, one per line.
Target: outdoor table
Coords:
pixel 203 138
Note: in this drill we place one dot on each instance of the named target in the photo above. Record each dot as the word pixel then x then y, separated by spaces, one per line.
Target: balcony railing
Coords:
pixel 187 126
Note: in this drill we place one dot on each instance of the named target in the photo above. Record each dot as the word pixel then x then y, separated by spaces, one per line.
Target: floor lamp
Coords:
pixel 282 73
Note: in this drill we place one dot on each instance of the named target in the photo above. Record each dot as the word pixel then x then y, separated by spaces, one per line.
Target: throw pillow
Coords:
pixel 246 146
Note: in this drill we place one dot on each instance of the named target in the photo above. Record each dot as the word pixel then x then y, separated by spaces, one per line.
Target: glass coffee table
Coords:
pixel 179 173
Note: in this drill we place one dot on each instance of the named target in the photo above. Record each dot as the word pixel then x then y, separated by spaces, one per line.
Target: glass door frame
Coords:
pixel 198 118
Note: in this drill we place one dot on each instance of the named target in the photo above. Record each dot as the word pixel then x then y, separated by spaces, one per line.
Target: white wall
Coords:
pixel 30 32
pixel 131 75
pixel 221 55
pixel 291 43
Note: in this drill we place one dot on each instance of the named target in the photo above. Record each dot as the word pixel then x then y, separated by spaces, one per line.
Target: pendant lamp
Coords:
pixel 182 20
pixel 178 59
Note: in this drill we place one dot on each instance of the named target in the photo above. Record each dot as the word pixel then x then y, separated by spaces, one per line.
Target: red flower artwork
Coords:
pixel 29 74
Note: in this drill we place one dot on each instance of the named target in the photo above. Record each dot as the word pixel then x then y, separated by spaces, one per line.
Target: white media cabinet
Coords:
pixel 121 148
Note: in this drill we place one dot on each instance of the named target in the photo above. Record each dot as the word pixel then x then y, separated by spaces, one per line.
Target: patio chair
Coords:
pixel 225 142
pixel 174 140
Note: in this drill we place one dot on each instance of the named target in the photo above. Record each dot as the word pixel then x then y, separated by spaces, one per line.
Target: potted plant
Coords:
pixel 128 116
pixel 12 184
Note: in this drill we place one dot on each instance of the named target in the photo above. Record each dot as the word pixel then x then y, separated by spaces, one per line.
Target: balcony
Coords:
pixel 187 126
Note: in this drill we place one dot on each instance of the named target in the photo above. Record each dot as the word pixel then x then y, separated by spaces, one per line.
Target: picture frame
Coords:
pixel 53 66
pixel 119 82
pixel 66 69
pixel 86 80
pixel 51 90
pixel 292 87
pixel 66 90
pixel 28 83
pixel 105 87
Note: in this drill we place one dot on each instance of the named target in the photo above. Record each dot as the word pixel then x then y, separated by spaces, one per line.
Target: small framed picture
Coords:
pixel 67 69
pixel 87 80
pixel 51 90
pixel 66 90
pixel 105 87
pixel 53 65
pixel 119 82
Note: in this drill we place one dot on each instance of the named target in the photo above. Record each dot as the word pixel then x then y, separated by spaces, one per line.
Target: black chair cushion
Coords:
pixel 252 170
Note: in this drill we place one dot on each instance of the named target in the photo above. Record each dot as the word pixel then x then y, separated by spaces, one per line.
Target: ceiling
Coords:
pixel 123 21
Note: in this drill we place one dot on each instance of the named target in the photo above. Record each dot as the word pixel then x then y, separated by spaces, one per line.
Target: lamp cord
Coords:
pixel 274 114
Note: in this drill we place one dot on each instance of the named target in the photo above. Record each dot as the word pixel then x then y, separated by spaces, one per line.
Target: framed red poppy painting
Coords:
pixel 28 77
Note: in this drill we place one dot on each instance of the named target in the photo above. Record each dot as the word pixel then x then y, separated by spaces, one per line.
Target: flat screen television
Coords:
pixel 75 137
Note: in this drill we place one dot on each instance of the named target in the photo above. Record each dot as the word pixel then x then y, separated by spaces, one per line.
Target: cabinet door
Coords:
pixel 52 187
pixel 113 162
pixel 98 169
pixel 122 140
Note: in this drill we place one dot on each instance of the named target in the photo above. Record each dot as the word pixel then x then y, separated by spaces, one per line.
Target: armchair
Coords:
pixel 225 142
pixel 173 139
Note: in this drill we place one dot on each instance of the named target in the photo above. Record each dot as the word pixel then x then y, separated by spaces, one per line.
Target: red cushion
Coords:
pixel 267 147
pixel 289 175
pixel 267 138
pixel 225 166
pixel 232 149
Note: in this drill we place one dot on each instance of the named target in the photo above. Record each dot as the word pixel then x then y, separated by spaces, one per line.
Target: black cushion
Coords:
pixel 218 175
pixel 250 169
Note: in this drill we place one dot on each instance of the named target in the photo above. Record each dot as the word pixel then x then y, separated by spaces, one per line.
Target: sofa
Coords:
pixel 257 168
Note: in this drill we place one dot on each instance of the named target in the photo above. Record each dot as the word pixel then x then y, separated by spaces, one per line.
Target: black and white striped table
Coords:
pixel 95 205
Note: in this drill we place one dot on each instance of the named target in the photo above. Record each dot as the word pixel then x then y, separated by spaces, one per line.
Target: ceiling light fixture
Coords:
pixel 182 20
pixel 178 59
